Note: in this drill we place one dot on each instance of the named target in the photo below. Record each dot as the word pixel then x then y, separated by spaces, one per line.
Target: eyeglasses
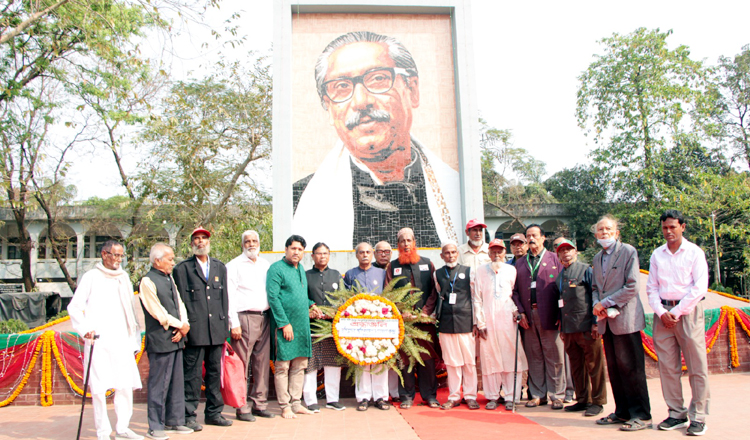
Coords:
pixel 376 81
pixel 383 251
pixel 321 254
pixel 115 256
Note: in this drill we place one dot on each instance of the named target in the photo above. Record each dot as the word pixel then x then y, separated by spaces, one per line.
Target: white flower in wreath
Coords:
pixel 381 356
pixel 395 341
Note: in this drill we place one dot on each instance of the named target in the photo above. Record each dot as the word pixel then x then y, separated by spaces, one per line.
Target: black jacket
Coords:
pixel 574 287
pixel 420 276
pixel 206 302
pixel 458 317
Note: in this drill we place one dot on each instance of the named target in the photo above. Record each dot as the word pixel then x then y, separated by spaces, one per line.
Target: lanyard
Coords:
pixel 536 266
pixel 449 277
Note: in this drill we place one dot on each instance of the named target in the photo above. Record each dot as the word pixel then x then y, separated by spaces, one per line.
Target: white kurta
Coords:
pixel 99 305
pixel 493 311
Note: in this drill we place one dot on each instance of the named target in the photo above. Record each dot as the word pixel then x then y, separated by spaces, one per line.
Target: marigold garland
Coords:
pixel 343 313
pixel 26 375
pixel 45 394
pixel 722 318
pixel 45 326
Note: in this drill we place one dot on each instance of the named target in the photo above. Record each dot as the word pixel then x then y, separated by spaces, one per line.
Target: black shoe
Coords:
pixel 696 428
pixel 593 410
pixel 671 423
pixel 263 413
pixel 335 406
pixel 218 421
pixel 314 408
pixel 194 426
pixel 579 406
pixel 245 417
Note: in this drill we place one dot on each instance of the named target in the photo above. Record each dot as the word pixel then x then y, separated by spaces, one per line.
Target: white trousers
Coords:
pixel 393 380
pixel 491 385
pixel 123 409
pixel 466 374
pixel 331 379
pixel 372 386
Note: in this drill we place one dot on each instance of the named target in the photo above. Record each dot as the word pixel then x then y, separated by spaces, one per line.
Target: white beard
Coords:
pixel 496 265
pixel 452 265
pixel 203 251
pixel 476 243
pixel 252 253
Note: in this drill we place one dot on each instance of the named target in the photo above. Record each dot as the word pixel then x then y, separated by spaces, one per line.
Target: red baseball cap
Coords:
pixel 564 244
pixel 518 237
pixel 496 243
pixel 199 229
pixel 473 223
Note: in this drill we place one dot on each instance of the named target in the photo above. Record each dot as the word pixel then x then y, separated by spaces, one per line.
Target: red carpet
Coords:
pixel 462 423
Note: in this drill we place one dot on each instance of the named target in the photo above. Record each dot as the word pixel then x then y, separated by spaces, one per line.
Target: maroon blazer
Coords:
pixel 546 295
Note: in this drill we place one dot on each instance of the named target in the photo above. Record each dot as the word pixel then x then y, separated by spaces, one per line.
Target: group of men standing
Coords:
pixel 562 306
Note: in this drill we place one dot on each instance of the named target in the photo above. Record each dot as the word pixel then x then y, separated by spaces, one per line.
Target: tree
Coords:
pixel 510 175
pixel 23 126
pixel 583 191
pixel 639 98
pixel 209 136
pixel 734 83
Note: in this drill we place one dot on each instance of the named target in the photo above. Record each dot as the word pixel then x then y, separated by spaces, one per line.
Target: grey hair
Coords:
pixel 248 232
pixel 396 51
pixel 158 251
pixel 356 249
pixel 609 217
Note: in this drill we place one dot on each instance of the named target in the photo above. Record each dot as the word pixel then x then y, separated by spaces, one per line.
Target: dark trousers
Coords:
pixel 626 365
pixel 587 367
pixel 193 361
pixel 166 390
pixel 427 382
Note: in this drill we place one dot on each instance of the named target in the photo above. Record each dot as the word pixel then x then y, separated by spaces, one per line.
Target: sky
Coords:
pixel 527 58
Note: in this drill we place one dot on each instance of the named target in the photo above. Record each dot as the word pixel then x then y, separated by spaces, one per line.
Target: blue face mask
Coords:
pixel 606 242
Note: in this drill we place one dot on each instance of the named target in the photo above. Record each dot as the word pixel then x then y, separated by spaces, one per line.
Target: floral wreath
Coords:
pixel 368 350
pixel 398 303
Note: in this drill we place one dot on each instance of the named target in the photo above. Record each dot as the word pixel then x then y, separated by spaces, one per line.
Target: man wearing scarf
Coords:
pixel 419 272
pixel 103 306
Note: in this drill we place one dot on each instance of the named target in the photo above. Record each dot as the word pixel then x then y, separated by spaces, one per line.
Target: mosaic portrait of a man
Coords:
pixel 378 177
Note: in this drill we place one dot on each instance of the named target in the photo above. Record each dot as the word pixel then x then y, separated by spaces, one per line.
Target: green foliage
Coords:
pixel 510 175
pixel 61 314
pixel 734 102
pixel 639 99
pixel 12 326
pixel 719 288
pixel 212 138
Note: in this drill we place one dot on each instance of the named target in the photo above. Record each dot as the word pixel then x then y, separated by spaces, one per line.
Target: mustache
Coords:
pixel 376 115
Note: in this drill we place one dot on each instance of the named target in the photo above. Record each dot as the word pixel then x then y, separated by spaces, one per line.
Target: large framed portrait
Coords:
pixel 374 123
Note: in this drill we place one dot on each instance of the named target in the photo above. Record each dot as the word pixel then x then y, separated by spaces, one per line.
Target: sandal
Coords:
pixel 611 419
pixel 382 404
pixel 636 425
pixel 405 405
pixel 362 406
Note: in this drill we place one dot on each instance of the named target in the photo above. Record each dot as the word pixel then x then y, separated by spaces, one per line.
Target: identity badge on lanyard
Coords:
pixel 452 295
pixel 534 269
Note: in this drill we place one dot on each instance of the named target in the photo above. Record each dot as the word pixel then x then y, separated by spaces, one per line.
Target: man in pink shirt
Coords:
pixel 677 283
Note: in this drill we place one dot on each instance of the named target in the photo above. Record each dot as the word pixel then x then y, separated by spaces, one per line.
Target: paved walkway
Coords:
pixel 727 420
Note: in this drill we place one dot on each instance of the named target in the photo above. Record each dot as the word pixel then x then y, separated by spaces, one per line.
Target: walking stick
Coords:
pixel 86 385
pixel 515 367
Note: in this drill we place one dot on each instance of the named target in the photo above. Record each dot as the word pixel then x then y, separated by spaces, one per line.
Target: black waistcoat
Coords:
pixel 159 340
pixel 575 291
pixel 422 278
pixel 454 318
